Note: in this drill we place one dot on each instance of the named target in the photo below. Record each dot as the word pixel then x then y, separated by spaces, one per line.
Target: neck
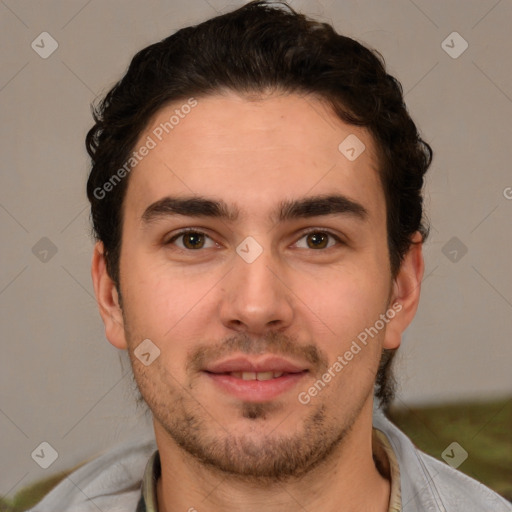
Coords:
pixel 348 479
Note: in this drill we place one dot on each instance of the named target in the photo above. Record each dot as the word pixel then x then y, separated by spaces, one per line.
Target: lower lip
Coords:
pixel 256 390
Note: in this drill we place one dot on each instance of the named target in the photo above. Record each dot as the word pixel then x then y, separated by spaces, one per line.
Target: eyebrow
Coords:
pixel 198 206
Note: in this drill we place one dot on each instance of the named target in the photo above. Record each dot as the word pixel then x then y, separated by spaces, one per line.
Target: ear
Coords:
pixel 405 296
pixel 107 298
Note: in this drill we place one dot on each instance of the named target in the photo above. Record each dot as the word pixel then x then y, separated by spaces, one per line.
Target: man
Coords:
pixel 256 194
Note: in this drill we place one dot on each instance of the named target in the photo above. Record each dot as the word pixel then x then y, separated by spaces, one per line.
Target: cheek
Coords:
pixel 170 310
pixel 159 300
pixel 346 303
pixel 352 310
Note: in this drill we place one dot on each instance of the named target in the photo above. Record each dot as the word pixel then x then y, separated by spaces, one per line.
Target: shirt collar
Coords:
pixel 148 501
pixel 392 469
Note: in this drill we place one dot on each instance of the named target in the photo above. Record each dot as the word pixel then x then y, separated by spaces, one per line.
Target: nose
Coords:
pixel 256 298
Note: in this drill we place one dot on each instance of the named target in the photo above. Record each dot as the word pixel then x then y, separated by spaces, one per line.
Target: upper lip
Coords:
pixel 263 364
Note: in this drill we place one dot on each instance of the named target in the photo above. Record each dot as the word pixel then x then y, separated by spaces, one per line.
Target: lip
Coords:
pixel 255 390
pixel 263 364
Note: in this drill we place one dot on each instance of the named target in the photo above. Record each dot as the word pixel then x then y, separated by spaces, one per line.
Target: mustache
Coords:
pixel 272 343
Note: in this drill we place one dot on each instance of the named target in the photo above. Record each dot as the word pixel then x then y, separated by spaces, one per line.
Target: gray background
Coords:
pixel 62 382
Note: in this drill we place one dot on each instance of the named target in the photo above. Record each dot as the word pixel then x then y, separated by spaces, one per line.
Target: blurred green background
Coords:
pixel 484 430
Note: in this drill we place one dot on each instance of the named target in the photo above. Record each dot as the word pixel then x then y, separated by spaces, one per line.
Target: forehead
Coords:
pixel 253 153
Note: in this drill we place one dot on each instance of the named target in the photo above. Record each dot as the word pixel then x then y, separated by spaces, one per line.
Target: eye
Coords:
pixel 191 240
pixel 318 240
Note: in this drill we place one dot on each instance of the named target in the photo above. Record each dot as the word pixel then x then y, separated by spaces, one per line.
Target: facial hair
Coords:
pixel 248 456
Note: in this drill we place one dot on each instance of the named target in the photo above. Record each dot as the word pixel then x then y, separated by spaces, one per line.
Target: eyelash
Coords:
pixel 199 232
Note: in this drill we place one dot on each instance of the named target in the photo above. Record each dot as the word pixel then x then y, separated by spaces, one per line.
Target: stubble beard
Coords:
pixel 250 457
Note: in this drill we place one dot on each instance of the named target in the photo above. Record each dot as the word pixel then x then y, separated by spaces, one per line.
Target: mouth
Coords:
pixel 256 380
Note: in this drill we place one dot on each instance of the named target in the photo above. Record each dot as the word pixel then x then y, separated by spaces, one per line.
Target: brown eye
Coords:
pixel 318 240
pixel 191 240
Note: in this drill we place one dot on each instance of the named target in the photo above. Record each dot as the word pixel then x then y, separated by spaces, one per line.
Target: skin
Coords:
pixel 295 299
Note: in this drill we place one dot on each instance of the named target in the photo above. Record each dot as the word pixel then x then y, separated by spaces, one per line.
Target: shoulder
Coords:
pixel 429 485
pixel 460 491
pixel 110 482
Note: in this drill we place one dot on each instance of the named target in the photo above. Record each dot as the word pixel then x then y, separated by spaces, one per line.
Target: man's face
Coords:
pixel 219 310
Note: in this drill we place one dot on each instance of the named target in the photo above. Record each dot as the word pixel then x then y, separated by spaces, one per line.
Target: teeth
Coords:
pixel 265 375
pixel 256 375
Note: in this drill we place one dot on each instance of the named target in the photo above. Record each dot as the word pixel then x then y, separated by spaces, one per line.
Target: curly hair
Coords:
pixel 257 48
